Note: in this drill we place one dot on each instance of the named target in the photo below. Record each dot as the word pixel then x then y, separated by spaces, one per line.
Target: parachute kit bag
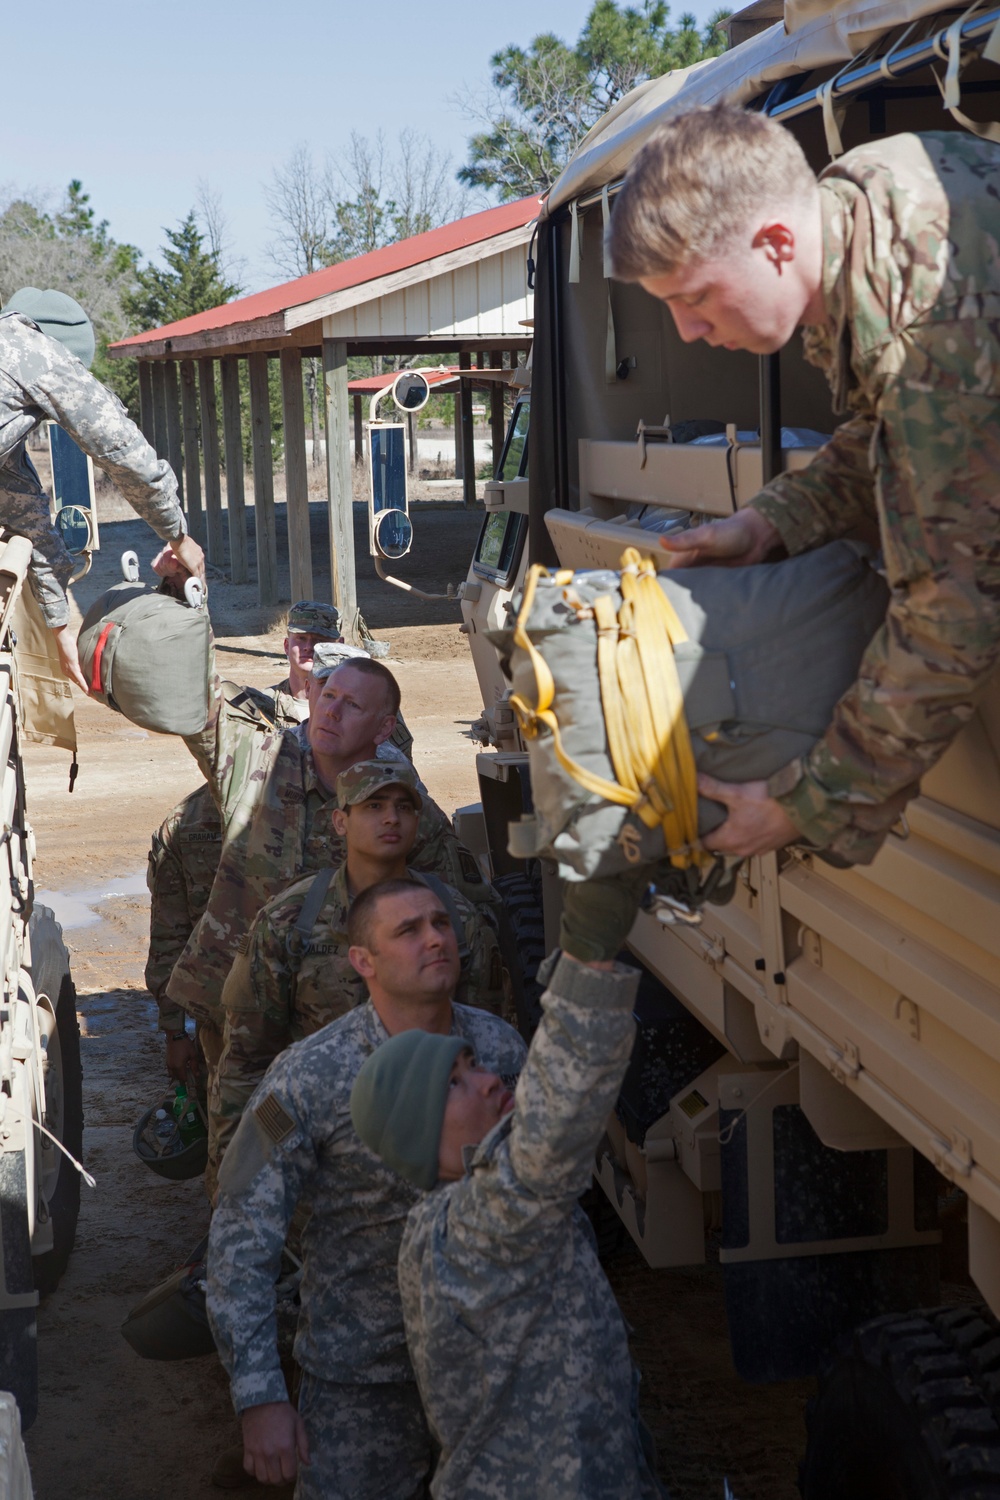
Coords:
pixel 626 685
pixel 146 655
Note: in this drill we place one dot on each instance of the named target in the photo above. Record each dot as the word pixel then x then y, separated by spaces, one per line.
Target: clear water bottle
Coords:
pixel 163 1128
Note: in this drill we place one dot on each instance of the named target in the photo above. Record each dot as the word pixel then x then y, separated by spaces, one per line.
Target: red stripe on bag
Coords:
pixel 95 671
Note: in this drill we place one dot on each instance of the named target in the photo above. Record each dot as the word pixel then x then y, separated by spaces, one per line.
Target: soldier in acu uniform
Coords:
pixel 892 265
pixel 359 1427
pixel 520 1351
pixel 46 344
pixel 293 975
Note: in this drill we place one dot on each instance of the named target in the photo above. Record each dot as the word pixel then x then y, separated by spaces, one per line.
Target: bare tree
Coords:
pixel 298 204
pixel 217 229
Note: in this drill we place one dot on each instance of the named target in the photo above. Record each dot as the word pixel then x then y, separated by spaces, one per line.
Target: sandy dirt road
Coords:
pixel 115 1427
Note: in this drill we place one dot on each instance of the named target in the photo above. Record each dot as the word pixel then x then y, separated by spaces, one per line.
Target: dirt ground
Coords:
pixel 111 1424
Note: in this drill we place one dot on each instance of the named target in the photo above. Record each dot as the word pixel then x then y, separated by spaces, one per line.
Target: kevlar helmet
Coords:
pixel 171 1321
pixel 165 1147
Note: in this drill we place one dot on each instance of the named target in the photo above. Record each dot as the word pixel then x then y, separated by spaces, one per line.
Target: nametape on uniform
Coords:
pixel 274 1119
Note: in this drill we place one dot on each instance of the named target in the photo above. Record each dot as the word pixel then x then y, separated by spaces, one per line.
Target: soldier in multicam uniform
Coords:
pixel 892 264
pixel 520 1351
pixel 46 344
pixel 293 975
pixel 359 1426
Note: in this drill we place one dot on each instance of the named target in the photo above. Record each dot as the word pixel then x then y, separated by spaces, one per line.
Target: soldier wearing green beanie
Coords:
pixel 46 345
pixel 520 1351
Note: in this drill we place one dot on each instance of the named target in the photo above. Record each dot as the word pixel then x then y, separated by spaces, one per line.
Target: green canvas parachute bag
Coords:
pixel 757 658
pixel 146 655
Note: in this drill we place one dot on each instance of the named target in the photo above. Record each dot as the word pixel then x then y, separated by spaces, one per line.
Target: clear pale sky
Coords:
pixel 141 98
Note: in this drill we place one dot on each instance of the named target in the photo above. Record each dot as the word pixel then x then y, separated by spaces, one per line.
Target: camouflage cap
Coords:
pixel 368 777
pixel 310 617
pixel 329 655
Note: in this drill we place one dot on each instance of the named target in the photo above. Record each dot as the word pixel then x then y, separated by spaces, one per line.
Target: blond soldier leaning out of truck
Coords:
pixel 359 1432
pixel 46 347
pixel 293 974
pixel 520 1351
pixel 891 263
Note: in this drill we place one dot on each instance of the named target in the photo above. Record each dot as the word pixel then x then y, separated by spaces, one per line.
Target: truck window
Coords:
pixel 514 459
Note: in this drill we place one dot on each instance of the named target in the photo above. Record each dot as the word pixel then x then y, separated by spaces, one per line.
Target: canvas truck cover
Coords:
pixel 769 651
pixel 146 655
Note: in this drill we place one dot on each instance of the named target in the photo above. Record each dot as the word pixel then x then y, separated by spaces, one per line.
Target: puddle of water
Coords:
pixel 76 909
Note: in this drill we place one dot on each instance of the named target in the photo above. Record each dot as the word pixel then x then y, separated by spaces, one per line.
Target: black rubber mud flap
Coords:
pixel 18 1337
pixel 910 1412
pixel 64 1205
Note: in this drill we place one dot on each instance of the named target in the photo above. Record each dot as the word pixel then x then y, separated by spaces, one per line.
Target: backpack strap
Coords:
pixel 446 897
pixel 299 940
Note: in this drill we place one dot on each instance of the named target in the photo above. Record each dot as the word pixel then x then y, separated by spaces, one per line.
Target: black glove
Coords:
pixel 597 915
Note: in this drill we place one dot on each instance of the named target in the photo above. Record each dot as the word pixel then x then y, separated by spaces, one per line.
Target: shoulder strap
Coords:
pixel 298 941
pixel 446 897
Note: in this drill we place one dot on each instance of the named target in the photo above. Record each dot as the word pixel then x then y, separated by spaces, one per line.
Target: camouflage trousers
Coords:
pixel 210 1039
pixel 366 1442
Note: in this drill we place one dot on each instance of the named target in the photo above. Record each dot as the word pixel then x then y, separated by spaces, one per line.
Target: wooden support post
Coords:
pixel 338 481
pixel 467 435
pixel 359 432
pixel 192 456
pixel 296 475
pixel 214 543
pixel 497 423
pixel 229 372
pixel 263 480
pixel 146 418
pixel 175 453
pixel 158 385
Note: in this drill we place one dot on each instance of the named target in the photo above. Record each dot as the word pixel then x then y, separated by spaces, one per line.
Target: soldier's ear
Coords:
pixel 361 961
pixel 384 730
pixel 339 820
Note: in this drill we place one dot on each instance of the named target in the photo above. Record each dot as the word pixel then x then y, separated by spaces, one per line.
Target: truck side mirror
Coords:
pixel 390 531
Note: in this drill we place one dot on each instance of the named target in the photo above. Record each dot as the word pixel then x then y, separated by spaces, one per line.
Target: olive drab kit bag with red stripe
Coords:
pixel 146 655
pixel 626 685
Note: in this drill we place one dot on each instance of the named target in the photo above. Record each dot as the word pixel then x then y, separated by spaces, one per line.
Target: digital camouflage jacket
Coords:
pixel 40 380
pixel 275 995
pixel 295 1141
pixel 911 281
pixel 519 1348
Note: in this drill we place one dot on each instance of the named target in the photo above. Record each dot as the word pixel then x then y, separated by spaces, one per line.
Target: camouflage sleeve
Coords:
pixel 269 1165
pixel 170 926
pixel 482 976
pixel 65 391
pixel 257 998
pixel 835 493
pixel 925 671
pixel 26 511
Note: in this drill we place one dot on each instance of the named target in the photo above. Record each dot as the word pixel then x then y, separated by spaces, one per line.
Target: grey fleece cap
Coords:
pixel 58 315
pixel 398 1101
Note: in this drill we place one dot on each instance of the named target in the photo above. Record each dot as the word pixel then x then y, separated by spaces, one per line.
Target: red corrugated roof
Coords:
pixel 348 273
pixel 371 383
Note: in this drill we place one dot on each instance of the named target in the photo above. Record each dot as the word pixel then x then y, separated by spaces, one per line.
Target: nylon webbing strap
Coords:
pixel 299 938
pixel 643 704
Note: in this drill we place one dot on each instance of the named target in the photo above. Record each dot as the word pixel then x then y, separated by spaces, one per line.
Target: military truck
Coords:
pixel 41 1098
pixel 814 1092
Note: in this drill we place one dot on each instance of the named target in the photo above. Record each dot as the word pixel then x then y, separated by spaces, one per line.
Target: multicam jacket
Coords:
pixel 40 380
pixel 277 824
pixel 182 864
pixel 296 1140
pixel 519 1348
pixel 911 281
pixel 276 994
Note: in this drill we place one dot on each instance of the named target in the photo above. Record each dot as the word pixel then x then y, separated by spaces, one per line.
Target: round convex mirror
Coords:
pixel 393 533
pixel 74 525
pixel 410 390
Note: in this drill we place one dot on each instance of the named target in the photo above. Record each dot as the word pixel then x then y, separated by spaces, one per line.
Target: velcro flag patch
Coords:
pixel 274 1119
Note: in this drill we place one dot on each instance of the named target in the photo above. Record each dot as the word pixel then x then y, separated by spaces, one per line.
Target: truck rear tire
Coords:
pixel 911 1412
pixel 522 947
pixel 18 1337
pixel 64 1087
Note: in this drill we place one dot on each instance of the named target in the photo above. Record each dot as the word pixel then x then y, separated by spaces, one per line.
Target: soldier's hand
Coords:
pixel 274 1442
pixel 190 556
pixel 756 823
pixel 597 915
pixel 182 1058
pixel 69 657
pixel 747 537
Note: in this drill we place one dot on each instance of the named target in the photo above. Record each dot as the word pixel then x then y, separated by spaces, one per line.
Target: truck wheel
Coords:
pixel 18 1338
pixel 911 1412
pixel 522 947
pixel 64 1100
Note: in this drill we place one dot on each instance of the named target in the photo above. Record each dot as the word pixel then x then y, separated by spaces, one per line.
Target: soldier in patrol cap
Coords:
pixel 46 347
pixel 359 1432
pixel 294 975
pixel 309 622
pixel 890 265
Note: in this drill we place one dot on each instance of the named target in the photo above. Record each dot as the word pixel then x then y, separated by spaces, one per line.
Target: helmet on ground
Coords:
pixel 166 1147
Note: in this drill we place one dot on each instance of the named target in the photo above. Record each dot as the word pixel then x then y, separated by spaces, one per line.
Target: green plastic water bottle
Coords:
pixel 189 1121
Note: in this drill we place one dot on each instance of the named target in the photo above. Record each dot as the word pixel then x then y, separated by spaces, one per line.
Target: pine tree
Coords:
pixel 191 282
